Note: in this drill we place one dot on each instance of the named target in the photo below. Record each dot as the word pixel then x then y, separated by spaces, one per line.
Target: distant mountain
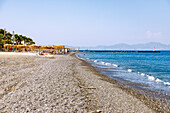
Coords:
pixel 123 46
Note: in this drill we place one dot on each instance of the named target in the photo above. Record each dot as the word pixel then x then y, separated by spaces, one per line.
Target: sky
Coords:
pixel 88 22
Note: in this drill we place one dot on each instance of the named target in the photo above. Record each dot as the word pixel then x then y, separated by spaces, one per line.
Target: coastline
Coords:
pixel 157 101
pixel 64 84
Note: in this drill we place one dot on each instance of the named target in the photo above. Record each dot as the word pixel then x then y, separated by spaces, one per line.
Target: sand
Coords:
pixel 60 84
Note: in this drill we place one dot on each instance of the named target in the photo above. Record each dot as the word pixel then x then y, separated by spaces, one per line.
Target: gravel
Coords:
pixel 60 84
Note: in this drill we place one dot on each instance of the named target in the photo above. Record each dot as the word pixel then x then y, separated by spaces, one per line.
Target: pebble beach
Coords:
pixel 63 84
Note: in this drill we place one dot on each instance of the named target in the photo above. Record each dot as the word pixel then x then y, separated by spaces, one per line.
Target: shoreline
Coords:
pixel 144 95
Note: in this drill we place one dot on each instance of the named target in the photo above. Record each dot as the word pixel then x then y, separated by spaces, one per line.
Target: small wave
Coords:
pixel 158 80
pixel 95 61
pixel 108 64
pixel 138 72
pixel 115 65
pixel 151 78
pixel 167 83
pixel 142 74
pixel 129 70
pixel 103 62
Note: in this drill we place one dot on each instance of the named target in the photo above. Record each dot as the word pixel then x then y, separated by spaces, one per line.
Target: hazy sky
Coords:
pixel 88 22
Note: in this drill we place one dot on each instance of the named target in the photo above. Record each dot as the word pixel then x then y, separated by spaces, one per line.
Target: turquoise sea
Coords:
pixel 151 69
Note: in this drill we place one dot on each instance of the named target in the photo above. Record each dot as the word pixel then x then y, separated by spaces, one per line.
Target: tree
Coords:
pixel 24 39
pixel 32 42
pixel 20 39
pixel 1 37
pixel 16 38
pixel 8 37
pixel 29 40
pixel 4 37
pixel 1 31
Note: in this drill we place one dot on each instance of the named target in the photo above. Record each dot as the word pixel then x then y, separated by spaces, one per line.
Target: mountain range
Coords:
pixel 124 46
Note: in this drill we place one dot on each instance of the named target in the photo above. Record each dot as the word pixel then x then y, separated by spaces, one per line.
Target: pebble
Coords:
pixel 50 86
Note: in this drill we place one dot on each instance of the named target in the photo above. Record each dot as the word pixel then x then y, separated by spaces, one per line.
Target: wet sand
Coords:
pixel 65 84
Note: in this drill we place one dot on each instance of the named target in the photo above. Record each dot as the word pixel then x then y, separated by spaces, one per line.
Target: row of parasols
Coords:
pixel 48 49
pixel 34 46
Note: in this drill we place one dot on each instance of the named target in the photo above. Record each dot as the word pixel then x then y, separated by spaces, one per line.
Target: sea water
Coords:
pixel 151 69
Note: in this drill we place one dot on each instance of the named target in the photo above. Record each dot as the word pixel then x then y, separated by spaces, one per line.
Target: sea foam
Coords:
pixel 108 64
pixel 158 80
pixel 115 65
pixel 167 83
pixel 142 74
pixel 103 62
pixel 129 70
pixel 95 61
pixel 151 78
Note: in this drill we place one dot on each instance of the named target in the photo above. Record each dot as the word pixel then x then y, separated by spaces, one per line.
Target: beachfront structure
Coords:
pixel 37 48
pixel 60 49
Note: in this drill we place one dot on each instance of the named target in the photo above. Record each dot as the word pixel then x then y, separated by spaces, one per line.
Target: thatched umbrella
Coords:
pixel 34 46
pixel 13 46
pixel 47 47
pixel 6 46
pixel 50 47
pixel 21 46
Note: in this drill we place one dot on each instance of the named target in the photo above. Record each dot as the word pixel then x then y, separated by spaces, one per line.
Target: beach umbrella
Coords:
pixel 7 45
pixel 50 47
pixel 27 46
pixel 58 47
pixel 13 46
pixel 34 46
pixel 21 46
pixel 46 47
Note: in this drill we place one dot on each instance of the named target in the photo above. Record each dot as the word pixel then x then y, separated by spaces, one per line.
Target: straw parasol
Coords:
pixel 21 46
pixel 46 47
pixel 13 45
pixel 34 46
pixel 50 47
pixel 59 47
pixel 7 45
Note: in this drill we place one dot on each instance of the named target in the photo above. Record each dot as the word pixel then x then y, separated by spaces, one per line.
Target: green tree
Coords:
pixel 28 41
pixel 1 31
pixel 32 42
pixel 1 37
pixel 4 37
pixel 24 39
pixel 16 38
pixel 8 37
pixel 20 39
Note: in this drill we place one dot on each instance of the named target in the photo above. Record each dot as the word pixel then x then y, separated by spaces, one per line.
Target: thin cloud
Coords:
pixel 151 34
pixel 157 34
